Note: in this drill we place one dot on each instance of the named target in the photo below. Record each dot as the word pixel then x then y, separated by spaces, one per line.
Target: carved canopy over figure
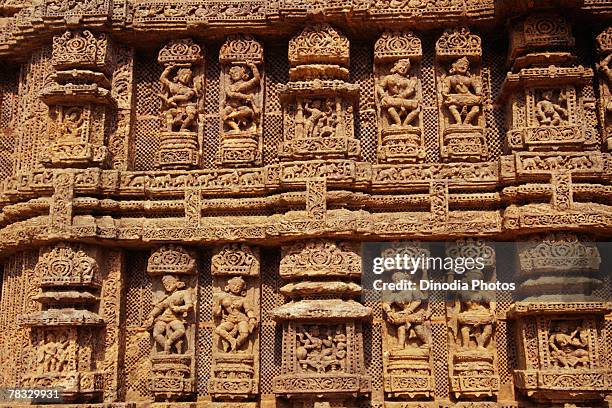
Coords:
pixel 397 92
pixel 180 93
pixel 569 347
pixel 238 317
pixel 550 113
pixel 169 314
pixel 462 93
pixel 241 112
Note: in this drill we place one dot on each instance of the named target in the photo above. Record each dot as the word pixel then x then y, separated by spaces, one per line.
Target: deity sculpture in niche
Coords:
pixel 471 320
pixel 317 103
pixel 238 317
pixel 461 96
pixel 171 322
pixel 168 317
pixel 182 92
pixel 235 308
pixel 407 329
pixel 604 42
pixel 399 97
pixel 241 93
pixel 549 111
pixel 569 344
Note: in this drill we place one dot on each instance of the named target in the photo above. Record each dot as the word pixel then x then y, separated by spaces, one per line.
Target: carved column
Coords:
pixel 322 356
pixel 549 112
pixel 66 335
pixel 236 299
pixel 471 321
pixel 604 45
pixel 407 338
pixel 79 99
pixel 172 322
pixel 461 98
pixel 397 57
pixel 559 321
pixel 182 95
pixel 318 103
pixel 242 79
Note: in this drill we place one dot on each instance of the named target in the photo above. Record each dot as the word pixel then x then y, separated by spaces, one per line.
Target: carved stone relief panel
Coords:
pixel 604 43
pixel 182 98
pixel 471 321
pixel 236 300
pixel 318 103
pixel 242 79
pixel 171 322
pixel 407 336
pixel 399 97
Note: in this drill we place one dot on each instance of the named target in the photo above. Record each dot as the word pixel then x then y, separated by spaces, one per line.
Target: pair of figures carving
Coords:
pixel 52 356
pixel 475 322
pixel 241 112
pixel 320 118
pixel 168 319
pixel 181 90
pixel 322 349
pixel 238 316
pixel 569 346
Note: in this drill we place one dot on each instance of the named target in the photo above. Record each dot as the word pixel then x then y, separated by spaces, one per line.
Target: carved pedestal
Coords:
pixel 172 323
pixel 318 103
pixel 79 99
pixel 241 94
pixel 461 98
pixel 235 370
pixel 322 338
pixel 65 336
pixel 399 98
pixel 182 92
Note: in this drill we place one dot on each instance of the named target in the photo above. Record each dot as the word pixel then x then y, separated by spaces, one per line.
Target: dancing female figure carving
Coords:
pixel 238 317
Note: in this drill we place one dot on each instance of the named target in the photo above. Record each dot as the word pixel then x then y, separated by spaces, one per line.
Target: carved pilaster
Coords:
pixel 318 103
pixel 471 321
pixel 236 300
pixel 172 322
pixel 399 98
pixel 316 198
pixel 182 95
pixel 461 98
pixel 242 79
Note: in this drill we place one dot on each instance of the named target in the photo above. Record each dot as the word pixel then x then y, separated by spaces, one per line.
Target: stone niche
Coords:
pixel 559 322
pixel 235 343
pixel 546 92
pixel 172 323
pixel 66 334
pixel 322 354
pixel 399 98
pixel 79 100
pixel 318 103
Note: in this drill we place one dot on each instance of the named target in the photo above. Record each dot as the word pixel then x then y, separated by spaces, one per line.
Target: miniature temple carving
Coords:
pixel 79 99
pixel 471 321
pixel 318 103
pixel 399 98
pixel 322 325
pixel 407 330
pixel 65 335
pixel 235 371
pixel 241 101
pixel 171 320
pixel 558 318
pixel 181 95
pixel 461 98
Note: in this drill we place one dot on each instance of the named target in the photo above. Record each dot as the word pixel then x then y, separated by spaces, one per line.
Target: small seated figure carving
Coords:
pixel 179 96
pixel 397 92
pixel 462 93
pixel 569 347
pixel 476 322
pixel 169 314
pixel 550 113
pixel 70 127
pixel 238 318
pixel 240 112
